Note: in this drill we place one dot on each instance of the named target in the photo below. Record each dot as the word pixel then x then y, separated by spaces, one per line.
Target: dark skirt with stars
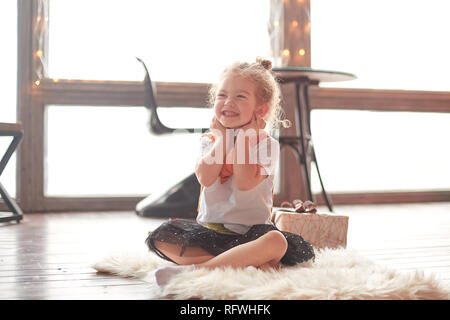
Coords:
pixel 187 233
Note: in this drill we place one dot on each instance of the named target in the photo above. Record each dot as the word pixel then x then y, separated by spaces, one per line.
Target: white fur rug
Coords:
pixel 335 274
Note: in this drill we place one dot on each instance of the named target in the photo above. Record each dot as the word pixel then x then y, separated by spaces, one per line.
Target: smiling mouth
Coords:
pixel 230 114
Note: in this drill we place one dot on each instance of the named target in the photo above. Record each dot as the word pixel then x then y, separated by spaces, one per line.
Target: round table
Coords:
pixel 303 77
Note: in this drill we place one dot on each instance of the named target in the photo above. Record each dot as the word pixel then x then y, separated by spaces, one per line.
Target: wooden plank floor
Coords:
pixel 48 256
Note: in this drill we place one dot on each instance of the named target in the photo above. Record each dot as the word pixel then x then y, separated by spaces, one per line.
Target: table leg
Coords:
pixel 308 121
pixel 303 159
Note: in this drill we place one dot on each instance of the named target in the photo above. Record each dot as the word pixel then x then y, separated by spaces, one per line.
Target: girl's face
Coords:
pixel 235 101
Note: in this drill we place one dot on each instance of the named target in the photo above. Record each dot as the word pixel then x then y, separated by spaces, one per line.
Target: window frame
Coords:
pixel 32 100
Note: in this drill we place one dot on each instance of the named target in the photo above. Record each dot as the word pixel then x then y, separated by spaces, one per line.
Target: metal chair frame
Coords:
pixel 155 124
pixel 15 211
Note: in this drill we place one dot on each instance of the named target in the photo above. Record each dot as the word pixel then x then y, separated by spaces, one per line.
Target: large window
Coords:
pixel 8 85
pixel 107 151
pixel 110 147
pixel 387 44
pixel 87 145
pixel 184 41
pixel 368 151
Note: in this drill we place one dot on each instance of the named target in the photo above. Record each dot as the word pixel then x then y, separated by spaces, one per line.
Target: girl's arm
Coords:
pixel 246 175
pixel 208 168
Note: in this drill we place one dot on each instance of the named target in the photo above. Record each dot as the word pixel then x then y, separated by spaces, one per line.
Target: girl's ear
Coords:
pixel 262 110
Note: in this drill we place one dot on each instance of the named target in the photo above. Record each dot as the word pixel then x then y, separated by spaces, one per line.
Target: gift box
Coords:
pixel 321 230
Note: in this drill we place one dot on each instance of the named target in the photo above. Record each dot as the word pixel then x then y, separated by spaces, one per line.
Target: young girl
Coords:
pixel 236 171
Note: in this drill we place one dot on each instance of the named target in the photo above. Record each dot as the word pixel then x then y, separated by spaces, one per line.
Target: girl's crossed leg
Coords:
pixel 264 252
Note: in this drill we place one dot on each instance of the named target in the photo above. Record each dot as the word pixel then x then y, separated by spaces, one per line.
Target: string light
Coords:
pixel 39 53
pixel 37 82
pixel 55 80
pixel 307 27
pixel 296 28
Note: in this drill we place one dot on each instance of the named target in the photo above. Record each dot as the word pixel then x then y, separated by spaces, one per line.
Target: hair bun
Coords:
pixel 267 64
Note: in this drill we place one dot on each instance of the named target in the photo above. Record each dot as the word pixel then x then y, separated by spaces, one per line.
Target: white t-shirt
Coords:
pixel 238 210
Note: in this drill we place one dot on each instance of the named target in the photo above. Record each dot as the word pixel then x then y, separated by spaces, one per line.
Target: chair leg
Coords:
pixel 17 213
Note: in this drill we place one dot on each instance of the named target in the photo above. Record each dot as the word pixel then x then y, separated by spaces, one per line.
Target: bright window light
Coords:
pixel 387 44
pixel 184 41
pixel 371 151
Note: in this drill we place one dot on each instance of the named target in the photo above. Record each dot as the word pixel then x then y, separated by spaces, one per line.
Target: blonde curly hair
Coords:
pixel 267 89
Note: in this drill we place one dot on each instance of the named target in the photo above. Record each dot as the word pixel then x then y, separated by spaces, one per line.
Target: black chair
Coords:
pixel 181 200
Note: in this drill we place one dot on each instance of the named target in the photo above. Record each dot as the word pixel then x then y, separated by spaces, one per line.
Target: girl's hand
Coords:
pixel 252 129
pixel 255 123
pixel 217 126
pixel 220 131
